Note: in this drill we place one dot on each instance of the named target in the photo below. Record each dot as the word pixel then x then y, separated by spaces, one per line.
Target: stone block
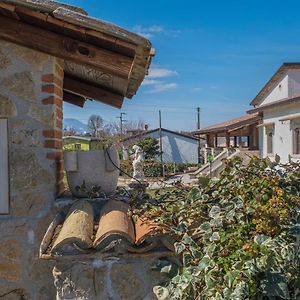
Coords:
pixel 13 228
pixel 21 85
pixel 28 204
pixel 5 61
pixel 26 172
pixel 26 137
pixel 10 256
pixel 7 108
pixel 126 282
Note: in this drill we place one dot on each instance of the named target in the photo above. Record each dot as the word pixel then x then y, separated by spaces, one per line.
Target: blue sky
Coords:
pixel 213 54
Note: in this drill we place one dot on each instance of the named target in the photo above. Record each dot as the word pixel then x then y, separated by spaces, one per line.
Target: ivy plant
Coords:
pixel 238 237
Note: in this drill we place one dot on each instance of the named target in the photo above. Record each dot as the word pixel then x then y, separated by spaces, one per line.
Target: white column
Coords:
pixel 4 181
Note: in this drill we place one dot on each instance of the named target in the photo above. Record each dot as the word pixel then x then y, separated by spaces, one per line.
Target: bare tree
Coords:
pixel 69 131
pixel 95 125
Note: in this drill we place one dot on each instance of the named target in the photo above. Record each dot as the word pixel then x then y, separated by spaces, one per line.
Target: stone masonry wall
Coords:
pixel 31 100
pixel 116 279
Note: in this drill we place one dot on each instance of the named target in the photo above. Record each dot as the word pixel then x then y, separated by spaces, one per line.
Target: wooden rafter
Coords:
pixel 65 47
pixel 74 99
pixel 88 90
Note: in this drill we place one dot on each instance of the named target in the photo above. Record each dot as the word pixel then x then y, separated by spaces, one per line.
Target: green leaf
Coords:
pixel 215 212
pixel 215 237
pixel 179 247
pixel 161 293
pixel 275 285
pixel 204 263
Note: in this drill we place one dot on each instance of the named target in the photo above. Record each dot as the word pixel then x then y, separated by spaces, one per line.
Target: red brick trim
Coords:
pixel 52 100
pixel 53 89
pixel 51 78
pixel 53 144
pixel 55 134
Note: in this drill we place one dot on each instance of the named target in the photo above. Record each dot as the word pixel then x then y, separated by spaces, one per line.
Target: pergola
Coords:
pixel 238 132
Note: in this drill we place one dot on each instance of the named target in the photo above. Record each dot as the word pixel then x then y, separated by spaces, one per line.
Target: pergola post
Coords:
pixel 216 140
pixel 235 141
pixel 227 139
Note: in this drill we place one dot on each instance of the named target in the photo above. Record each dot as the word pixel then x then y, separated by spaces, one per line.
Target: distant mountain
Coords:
pixel 80 127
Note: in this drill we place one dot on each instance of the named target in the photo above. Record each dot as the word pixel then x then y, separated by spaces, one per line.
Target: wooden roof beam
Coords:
pixel 65 47
pixel 89 90
pixel 74 99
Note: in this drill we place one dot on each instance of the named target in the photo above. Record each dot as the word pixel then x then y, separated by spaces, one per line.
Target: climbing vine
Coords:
pixel 238 237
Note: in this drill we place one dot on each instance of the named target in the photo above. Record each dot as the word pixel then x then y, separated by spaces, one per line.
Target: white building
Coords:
pixel 278 103
pixel 176 147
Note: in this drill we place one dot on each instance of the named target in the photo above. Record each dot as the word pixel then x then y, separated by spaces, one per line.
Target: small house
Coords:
pixel 278 104
pixel 176 147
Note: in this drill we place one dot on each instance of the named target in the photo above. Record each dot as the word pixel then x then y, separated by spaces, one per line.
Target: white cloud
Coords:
pixel 154 81
pixel 148 81
pixel 148 32
pixel 162 87
pixel 157 72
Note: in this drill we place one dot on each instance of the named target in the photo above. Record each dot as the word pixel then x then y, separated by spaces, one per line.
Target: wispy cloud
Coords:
pixel 148 32
pixel 162 87
pixel 153 30
pixel 157 80
pixel 157 72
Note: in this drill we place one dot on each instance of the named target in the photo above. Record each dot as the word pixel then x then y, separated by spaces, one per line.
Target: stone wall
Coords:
pixel 116 279
pixel 31 100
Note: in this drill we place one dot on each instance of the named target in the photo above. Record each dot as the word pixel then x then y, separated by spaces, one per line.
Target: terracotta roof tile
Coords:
pixel 83 230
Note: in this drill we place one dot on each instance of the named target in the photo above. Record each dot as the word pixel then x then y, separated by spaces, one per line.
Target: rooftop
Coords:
pixel 274 80
pixel 145 132
pixel 230 124
pixel 278 103
pixel 102 61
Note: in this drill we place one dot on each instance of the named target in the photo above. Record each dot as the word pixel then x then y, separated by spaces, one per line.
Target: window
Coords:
pixel 296 141
pixel 77 146
pixel 270 134
pixel 4 202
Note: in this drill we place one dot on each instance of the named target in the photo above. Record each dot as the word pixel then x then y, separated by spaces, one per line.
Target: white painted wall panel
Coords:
pixel 283 135
pixel 280 91
pixel 177 148
pixel 294 83
pixel 4 180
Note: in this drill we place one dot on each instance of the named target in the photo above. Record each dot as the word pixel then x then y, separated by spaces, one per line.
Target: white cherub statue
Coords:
pixel 138 164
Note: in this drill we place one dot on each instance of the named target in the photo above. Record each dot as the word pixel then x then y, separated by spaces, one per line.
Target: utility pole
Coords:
pixel 121 123
pixel 160 144
pixel 199 141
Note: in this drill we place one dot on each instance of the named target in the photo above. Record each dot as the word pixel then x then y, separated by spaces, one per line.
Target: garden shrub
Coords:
pixel 152 168
pixel 238 237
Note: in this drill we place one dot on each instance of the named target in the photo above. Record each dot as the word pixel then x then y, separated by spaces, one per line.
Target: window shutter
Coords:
pixel 4 181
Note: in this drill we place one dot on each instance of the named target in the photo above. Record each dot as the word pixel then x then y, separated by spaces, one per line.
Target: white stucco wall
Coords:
pixel 294 82
pixel 288 86
pixel 177 148
pixel 283 135
pixel 280 91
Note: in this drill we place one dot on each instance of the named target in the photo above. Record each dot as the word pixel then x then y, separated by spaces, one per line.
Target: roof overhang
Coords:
pixel 101 60
pixel 275 104
pixel 273 81
pixel 232 126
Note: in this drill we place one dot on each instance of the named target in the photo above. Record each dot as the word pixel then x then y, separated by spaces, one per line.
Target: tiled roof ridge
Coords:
pixel 115 227
pixel 157 129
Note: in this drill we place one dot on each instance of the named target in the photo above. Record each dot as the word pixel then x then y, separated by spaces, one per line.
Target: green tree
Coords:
pixel 150 147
